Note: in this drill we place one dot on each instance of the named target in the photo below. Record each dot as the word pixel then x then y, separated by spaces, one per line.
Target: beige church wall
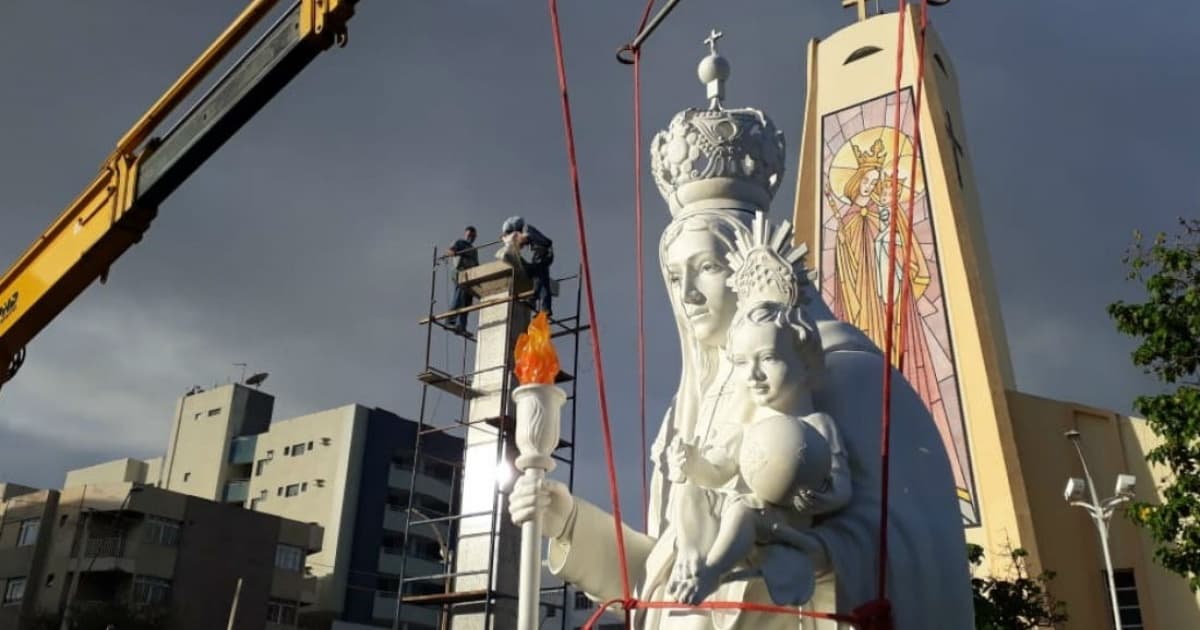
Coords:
pixel 844 71
pixel 1113 444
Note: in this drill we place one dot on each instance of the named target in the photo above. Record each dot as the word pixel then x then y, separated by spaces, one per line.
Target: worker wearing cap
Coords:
pixel 468 256
pixel 542 250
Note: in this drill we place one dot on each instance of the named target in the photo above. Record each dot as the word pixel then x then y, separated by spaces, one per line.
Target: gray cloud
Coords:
pixel 303 246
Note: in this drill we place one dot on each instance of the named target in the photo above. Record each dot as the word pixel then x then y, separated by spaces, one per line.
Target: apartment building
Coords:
pixel 90 546
pixel 348 470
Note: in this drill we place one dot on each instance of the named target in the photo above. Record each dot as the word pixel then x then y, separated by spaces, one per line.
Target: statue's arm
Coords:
pixel 837 493
pixel 585 554
pixel 712 473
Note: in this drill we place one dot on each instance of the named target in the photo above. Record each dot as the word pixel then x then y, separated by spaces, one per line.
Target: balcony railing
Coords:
pixel 241 450
pixel 104 547
pixel 237 491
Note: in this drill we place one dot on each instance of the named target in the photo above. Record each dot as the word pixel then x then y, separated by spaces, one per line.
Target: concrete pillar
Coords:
pixel 499 326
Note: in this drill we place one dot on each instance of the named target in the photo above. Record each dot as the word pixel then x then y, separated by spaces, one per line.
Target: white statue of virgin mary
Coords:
pixel 716 168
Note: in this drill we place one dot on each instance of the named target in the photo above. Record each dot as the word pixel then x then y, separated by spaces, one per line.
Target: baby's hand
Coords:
pixel 688 563
pixel 681 458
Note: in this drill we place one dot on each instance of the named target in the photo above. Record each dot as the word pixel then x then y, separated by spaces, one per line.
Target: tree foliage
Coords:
pixel 1167 327
pixel 1016 602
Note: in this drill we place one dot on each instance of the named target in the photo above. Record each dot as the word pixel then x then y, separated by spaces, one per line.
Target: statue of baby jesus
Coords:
pixel 786 463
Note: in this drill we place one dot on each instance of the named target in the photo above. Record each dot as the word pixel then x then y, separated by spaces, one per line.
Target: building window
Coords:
pixel 150 590
pixel 397 499
pixel 1128 605
pixel 258 467
pixel 424 588
pixel 582 602
pixel 279 491
pixel 161 531
pixel 424 548
pixel 213 412
pixel 310 446
pixel 187 475
pixel 281 612
pixel 287 450
pixel 438 470
pixel 403 461
pixel 393 544
pixel 388 585
pixel 438 506
pixel 27 537
pixel 292 490
pixel 14 591
pixel 289 558
pixel 298 449
pixel 270 454
pixel 254 504
pixel 326 441
pixel 303 486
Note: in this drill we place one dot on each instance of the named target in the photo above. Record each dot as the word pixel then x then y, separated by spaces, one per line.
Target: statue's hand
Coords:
pixel 551 498
pixel 682 458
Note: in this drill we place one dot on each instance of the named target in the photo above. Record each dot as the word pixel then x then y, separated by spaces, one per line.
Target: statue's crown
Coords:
pixel 767 267
pixel 717 157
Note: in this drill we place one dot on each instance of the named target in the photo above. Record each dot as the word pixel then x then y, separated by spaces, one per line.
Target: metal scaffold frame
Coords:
pixel 459 385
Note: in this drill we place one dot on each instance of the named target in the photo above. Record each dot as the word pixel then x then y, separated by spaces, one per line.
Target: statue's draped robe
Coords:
pixel 928 576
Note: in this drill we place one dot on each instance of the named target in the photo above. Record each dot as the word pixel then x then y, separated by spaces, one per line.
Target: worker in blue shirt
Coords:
pixel 538 268
pixel 468 256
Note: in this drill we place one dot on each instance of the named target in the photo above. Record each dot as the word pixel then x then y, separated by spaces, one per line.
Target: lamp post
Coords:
pixel 445 550
pixel 1100 511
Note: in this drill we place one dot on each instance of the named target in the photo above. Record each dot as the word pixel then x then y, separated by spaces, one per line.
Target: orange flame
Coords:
pixel 537 362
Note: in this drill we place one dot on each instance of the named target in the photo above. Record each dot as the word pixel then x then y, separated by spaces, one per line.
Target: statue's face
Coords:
pixel 765 360
pixel 696 273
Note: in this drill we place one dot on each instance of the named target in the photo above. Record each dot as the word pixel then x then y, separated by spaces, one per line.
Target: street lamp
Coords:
pixel 1100 511
pixel 444 548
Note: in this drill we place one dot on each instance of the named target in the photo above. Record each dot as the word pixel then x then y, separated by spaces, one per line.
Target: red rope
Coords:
pixel 591 298
pixel 907 247
pixel 639 255
pixel 885 442
pixel 885 437
pixel 630 605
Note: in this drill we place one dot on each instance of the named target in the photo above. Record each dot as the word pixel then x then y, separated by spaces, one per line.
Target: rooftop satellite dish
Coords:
pixel 257 379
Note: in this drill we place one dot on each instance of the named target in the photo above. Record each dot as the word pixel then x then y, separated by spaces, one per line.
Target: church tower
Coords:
pixel 955 351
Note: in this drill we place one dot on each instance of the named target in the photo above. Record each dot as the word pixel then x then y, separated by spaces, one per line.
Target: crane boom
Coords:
pixel 113 212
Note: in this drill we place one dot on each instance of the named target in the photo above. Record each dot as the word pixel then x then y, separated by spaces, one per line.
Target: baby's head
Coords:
pixel 776 354
pixel 782 455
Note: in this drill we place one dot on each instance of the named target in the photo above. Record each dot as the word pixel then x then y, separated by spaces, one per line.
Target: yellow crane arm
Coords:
pixel 118 206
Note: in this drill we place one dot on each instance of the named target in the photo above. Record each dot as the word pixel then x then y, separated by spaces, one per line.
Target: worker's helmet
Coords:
pixel 512 224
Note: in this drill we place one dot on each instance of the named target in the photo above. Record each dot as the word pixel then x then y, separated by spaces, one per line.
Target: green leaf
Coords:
pixel 1167 328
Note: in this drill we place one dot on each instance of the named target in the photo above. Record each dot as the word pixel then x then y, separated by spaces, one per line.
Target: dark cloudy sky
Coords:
pixel 303 246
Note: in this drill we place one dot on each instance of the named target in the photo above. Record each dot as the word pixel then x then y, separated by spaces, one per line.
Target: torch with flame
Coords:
pixel 539 403
pixel 537 362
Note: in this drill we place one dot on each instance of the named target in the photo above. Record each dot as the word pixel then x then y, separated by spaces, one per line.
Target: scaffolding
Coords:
pixel 438 590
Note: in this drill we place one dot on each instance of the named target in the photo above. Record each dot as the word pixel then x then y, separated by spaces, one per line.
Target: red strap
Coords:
pixel 591 298
pixel 889 330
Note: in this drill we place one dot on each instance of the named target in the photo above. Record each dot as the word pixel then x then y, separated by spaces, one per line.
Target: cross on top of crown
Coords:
pixel 711 40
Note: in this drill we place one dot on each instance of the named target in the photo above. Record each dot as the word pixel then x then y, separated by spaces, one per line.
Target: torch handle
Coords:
pixel 530 585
